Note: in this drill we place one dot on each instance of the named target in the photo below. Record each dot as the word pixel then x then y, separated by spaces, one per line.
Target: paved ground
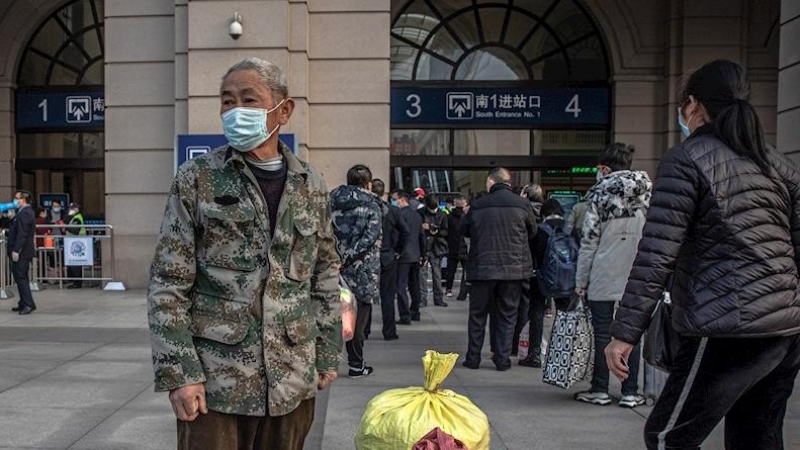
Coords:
pixel 76 375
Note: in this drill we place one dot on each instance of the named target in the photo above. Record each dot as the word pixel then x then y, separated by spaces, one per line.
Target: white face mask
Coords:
pixel 72 212
pixel 600 176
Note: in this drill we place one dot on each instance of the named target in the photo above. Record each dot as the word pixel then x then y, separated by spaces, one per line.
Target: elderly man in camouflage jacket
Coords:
pixel 243 301
pixel 358 225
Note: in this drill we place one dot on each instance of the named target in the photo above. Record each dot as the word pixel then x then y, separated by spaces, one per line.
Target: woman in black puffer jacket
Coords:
pixel 725 218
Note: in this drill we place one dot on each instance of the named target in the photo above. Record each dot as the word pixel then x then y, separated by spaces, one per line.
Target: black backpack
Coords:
pixel 557 275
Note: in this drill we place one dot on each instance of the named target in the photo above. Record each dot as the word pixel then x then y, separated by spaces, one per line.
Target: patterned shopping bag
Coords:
pixel 570 352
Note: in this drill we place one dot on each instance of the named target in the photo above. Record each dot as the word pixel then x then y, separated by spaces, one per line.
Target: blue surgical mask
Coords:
pixel 246 128
pixel 395 202
pixel 684 127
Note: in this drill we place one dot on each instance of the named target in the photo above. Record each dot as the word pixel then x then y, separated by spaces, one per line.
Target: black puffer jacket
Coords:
pixel 456 244
pixel 732 237
pixel 501 227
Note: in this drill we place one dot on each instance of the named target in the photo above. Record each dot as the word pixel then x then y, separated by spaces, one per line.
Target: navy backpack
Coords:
pixel 557 274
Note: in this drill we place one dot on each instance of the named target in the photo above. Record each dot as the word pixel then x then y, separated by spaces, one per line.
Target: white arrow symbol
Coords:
pixel 460 109
pixel 78 112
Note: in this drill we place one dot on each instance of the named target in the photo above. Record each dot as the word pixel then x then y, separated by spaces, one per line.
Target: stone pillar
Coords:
pixel 211 51
pixel 348 86
pixel 140 128
pixel 789 80
pixel 7 143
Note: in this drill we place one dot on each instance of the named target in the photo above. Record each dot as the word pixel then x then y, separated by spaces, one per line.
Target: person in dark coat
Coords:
pixel 457 251
pixel 725 219
pixel 501 227
pixel 532 303
pixel 395 234
pixel 408 282
pixel 434 224
pixel 553 216
pixel 21 250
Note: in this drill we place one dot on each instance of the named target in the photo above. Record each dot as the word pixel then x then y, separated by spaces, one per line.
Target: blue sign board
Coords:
pixel 46 200
pixel 189 146
pixel 61 110
pixel 487 107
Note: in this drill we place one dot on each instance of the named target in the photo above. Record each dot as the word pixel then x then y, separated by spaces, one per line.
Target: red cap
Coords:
pixel 419 191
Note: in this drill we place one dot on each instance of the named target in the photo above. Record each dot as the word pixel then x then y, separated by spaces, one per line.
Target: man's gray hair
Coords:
pixel 534 193
pixel 500 175
pixel 271 75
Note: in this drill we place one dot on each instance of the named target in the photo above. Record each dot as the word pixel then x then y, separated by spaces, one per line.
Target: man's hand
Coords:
pixel 188 402
pixel 617 354
pixel 581 292
pixel 15 256
pixel 426 226
pixel 325 379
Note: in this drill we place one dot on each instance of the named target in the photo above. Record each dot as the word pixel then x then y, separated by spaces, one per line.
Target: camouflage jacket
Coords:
pixel 358 225
pixel 254 319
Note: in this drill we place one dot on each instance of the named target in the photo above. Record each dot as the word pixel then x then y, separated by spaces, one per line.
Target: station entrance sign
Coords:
pixel 456 106
pixel 56 109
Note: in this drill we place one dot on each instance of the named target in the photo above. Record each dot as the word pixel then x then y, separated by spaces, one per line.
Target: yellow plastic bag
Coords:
pixel 398 418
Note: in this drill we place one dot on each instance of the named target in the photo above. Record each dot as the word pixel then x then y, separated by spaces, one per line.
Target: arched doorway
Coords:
pixel 519 84
pixel 60 108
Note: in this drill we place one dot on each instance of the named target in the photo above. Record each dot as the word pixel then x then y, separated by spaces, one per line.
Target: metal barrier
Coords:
pixel 50 263
pixel 6 279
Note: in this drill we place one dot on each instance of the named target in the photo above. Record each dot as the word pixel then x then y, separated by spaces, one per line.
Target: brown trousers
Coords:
pixel 217 431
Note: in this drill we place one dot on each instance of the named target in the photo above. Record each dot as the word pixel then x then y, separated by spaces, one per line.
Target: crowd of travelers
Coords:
pixel 248 277
pixel 721 223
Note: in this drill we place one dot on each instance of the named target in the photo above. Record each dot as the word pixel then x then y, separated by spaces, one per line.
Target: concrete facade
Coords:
pixel 164 60
pixel 789 77
pixel 174 89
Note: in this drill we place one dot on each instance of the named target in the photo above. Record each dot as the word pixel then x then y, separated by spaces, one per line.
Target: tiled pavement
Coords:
pixel 76 374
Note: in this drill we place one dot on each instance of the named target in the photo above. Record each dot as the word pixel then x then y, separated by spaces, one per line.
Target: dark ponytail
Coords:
pixel 722 87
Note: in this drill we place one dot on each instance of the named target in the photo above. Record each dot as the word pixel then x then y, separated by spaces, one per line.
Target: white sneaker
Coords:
pixel 595 398
pixel 631 401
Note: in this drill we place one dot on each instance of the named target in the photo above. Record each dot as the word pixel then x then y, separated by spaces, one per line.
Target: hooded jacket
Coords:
pixel 730 234
pixel 615 216
pixel 357 216
pixel 456 244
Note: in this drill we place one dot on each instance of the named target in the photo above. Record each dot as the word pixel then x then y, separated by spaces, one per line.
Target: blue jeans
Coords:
pixel 602 316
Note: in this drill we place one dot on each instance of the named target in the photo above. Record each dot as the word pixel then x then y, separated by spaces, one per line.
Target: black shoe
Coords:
pixel 461 299
pixel 415 318
pixel 423 305
pixel 16 309
pixel 531 362
pixel 360 373
pixel 74 286
pixel 502 368
pixel 443 304
pixel 391 338
pixel 469 365
pixel 404 322
pixel 26 310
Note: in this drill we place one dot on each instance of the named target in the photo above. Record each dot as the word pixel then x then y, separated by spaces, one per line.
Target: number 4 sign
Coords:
pixel 574 106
